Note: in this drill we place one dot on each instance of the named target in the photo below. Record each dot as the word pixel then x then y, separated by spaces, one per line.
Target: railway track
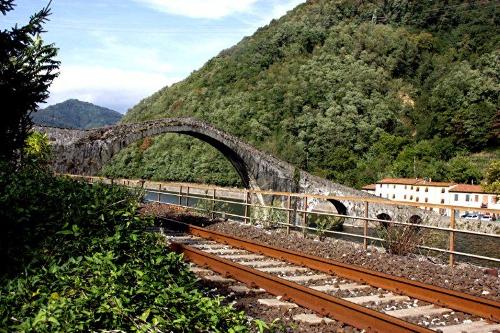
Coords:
pixel 365 299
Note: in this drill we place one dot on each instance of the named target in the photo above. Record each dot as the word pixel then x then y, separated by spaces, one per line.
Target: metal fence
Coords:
pixel 294 213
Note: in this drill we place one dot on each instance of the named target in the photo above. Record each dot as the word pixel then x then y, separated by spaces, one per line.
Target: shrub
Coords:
pixel 75 258
pixel 270 217
pixel 207 206
pixel 401 239
pixel 323 223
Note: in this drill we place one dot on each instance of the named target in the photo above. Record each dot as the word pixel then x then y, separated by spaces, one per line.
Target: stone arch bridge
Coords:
pixel 85 152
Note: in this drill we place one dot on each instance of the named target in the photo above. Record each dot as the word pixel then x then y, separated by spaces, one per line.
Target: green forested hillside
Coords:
pixel 349 90
pixel 76 114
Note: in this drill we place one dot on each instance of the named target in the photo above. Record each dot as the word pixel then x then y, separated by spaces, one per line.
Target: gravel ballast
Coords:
pixel 463 277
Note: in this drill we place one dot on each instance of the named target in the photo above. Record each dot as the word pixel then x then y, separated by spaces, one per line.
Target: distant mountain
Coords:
pixel 76 114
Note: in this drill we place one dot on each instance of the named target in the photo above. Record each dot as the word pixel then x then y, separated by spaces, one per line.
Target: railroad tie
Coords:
pixel 217 278
pixel 418 311
pixel 346 286
pixel 224 251
pixel 199 270
pixel 312 319
pixel 209 246
pixel 480 326
pixel 286 269
pixel 242 289
pixel 259 263
pixel 183 238
pixel 377 298
pixel 307 278
pixel 273 302
pixel 242 256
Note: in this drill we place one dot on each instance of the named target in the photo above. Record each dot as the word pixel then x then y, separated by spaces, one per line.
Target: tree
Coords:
pixel 27 69
pixel 492 178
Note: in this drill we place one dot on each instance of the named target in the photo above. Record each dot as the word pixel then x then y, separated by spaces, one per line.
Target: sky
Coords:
pixel 114 53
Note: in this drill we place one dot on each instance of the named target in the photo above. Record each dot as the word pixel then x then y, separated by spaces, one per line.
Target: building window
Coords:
pixel 476 198
pixel 467 197
pixel 418 188
pixel 442 201
pixel 411 188
pixel 393 196
pixel 394 186
pixel 442 190
pixel 456 197
pixel 417 200
pixel 426 199
pixel 426 189
pixel 411 197
pixel 406 187
pixel 380 194
pixel 405 196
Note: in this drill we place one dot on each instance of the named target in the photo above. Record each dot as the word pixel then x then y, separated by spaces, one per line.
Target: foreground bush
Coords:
pixel 75 258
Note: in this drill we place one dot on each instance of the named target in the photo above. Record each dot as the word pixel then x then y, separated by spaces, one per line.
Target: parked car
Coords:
pixel 485 217
pixel 472 216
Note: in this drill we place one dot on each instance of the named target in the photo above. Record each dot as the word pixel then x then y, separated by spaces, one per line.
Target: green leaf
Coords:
pixel 144 316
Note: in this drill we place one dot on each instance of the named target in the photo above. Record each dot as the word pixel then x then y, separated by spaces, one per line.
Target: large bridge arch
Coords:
pixel 86 152
pixel 94 148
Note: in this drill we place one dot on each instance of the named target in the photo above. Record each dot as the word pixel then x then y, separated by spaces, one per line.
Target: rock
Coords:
pixel 491 271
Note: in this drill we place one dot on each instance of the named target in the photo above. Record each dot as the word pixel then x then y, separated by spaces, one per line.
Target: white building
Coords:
pixel 427 191
pixel 473 196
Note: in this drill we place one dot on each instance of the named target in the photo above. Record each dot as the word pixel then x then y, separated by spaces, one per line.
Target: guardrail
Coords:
pixel 294 207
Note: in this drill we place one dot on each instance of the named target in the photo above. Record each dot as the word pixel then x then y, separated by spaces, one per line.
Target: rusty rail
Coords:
pixel 478 306
pixel 347 312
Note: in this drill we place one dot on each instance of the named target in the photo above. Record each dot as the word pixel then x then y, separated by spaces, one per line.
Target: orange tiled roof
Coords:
pixel 400 181
pixel 467 188
pixel 370 187
pixel 439 184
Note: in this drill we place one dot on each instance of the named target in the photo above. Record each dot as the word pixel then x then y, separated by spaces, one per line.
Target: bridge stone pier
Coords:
pixel 86 152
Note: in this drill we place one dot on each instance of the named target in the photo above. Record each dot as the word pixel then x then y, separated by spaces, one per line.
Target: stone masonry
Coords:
pixel 85 152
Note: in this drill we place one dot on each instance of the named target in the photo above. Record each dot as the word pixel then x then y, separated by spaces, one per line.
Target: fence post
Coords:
pixel 452 237
pixel 289 215
pixel 246 206
pixel 180 195
pixel 365 228
pixel 159 194
pixel 213 206
pixel 187 197
pixel 305 216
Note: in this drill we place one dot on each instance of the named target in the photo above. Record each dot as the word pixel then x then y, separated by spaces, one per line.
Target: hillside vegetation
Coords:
pixel 349 90
pixel 76 114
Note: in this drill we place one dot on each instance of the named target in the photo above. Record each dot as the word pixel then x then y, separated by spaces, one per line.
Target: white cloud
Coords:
pixel 112 50
pixel 212 9
pixel 277 10
pixel 110 87
pixel 281 9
